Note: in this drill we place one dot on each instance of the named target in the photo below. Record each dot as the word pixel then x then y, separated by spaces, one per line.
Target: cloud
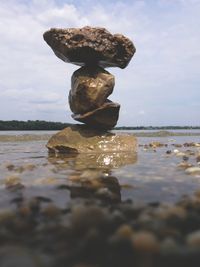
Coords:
pixel 163 77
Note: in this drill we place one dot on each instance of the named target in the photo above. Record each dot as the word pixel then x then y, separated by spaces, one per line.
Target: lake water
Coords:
pixel 149 175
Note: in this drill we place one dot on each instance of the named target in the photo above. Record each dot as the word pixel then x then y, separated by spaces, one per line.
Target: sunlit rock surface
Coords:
pixel 81 139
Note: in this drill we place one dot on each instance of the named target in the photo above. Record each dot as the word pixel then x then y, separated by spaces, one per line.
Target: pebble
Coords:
pixel 184 165
pixel 168 245
pixel 29 167
pixel 165 212
pixel 86 217
pixel 180 154
pixel 193 170
pixel 124 231
pixel 12 256
pixel 51 211
pixel 193 239
pixel 177 145
pixel 145 241
pixel 12 180
pixel 185 158
pixel 156 144
pixel 176 151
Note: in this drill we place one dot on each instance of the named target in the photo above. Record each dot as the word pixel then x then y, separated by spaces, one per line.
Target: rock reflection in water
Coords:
pixel 91 175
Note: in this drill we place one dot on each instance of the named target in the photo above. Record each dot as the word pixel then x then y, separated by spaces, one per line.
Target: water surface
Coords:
pixel 149 175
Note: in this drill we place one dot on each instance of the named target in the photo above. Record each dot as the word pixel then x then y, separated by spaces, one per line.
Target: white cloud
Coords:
pixel 162 77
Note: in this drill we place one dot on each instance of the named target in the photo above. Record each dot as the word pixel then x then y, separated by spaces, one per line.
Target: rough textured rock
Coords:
pixel 104 117
pixel 90 88
pixel 81 139
pixel 90 46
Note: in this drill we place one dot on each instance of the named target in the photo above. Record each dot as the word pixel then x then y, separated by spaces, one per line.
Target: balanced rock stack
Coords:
pixel 93 49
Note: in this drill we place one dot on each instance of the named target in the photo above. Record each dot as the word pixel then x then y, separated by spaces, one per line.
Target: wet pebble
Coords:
pixel 193 239
pixel 184 165
pixel 168 245
pixel 12 256
pixel 198 158
pixel 193 170
pixel 84 217
pixel 144 241
pixel 124 231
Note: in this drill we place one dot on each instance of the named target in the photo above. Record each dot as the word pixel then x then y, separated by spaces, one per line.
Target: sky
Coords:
pixel 160 86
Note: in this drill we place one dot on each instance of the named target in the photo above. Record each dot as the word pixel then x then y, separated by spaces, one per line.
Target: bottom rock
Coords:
pixel 81 139
pixel 104 117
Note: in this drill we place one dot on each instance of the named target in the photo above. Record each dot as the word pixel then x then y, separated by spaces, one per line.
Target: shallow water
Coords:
pixel 149 175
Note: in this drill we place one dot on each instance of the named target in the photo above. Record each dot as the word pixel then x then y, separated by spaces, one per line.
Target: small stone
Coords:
pixel 12 180
pixel 180 154
pixel 184 165
pixel 168 245
pixel 185 158
pixel 12 256
pixel 124 231
pixel 177 145
pixel 198 158
pixel 156 144
pixel 144 241
pixel 193 239
pixel 193 170
pixel 51 211
pixel 176 151
pixel 84 217
pixel 10 166
pixel 29 167
pixel 197 194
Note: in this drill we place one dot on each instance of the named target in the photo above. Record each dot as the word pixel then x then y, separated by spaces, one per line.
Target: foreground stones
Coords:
pixel 81 139
pixel 90 46
pixel 98 233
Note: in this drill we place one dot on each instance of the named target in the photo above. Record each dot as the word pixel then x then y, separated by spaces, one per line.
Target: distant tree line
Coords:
pixel 31 125
pixel 49 125
pixel 157 127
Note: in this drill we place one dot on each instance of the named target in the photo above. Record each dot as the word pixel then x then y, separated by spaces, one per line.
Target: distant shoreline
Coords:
pixel 39 125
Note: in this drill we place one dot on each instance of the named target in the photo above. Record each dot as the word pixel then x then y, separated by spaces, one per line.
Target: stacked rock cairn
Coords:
pixel 93 49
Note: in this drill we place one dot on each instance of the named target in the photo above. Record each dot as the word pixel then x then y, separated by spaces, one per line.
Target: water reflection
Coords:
pixel 91 174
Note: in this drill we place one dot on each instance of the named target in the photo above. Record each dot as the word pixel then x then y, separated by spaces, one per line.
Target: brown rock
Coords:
pixel 105 117
pixel 90 46
pixel 90 89
pixel 81 139
pixel 95 160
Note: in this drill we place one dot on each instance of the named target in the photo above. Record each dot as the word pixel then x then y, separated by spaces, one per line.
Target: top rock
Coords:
pixel 90 46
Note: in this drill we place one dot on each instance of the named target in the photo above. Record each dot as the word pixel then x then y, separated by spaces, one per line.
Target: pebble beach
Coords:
pixel 121 209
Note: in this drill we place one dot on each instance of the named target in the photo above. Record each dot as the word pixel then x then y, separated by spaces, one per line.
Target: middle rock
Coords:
pixel 90 87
